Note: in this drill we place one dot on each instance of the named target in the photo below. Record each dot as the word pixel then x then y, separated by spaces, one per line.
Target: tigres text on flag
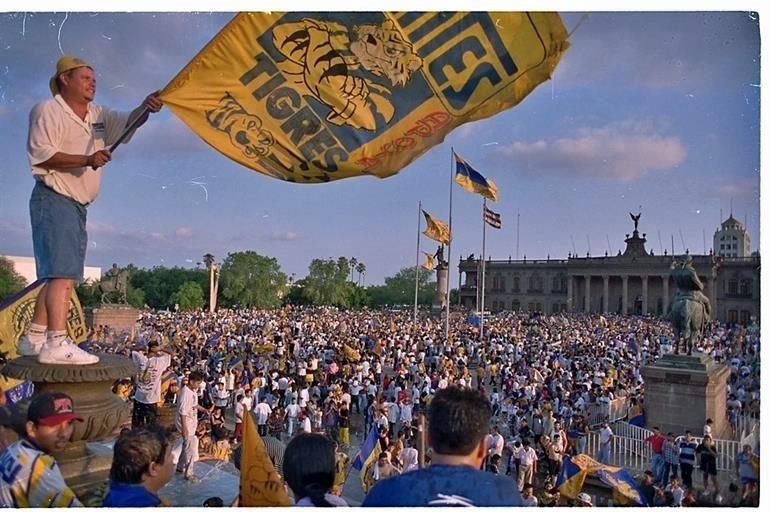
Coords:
pixel 314 97
pixel 260 486
pixel 492 218
pixel 472 180
pixel 436 229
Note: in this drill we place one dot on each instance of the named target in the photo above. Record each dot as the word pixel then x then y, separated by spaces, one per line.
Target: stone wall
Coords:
pixel 119 318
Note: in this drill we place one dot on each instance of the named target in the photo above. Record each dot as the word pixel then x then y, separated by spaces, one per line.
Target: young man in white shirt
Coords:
pixel 150 369
pixel 262 411
pixel 292 415
pixel 187 409
pixel 605 436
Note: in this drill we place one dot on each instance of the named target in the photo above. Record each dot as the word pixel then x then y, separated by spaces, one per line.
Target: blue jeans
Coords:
pixel 604 453
pixel 657 467
pixel 581 445
pixel 59 238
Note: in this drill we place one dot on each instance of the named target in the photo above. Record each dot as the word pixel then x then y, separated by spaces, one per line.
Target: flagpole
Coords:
pixel 417 267
pixel 449 245
pixel 483 265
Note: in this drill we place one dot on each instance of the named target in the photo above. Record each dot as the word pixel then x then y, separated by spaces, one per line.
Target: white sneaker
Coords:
pixel 27 347
pixel 66 353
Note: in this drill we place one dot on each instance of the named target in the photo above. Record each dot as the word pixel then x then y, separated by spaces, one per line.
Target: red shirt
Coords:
pixel 656 441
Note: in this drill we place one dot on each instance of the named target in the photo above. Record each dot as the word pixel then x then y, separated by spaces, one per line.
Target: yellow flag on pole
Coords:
pixel 436 229
pixel 429 261
pixel 260 486
pixel 311 98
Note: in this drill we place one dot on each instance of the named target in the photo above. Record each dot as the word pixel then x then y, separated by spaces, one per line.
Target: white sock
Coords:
pixel 56 338
pixel 36 333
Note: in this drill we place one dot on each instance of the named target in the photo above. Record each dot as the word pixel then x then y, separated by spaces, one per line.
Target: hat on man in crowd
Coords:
pixel 63 65
pixel 51 409
pixel 584 498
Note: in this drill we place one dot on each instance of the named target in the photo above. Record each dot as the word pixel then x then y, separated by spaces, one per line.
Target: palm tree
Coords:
pixel 361 269
pixel 353 263
pixel 208 260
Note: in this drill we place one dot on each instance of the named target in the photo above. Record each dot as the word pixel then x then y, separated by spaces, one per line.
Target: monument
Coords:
pixel 115 311
pixel 682 391
pixel 442 273
pixel 85 464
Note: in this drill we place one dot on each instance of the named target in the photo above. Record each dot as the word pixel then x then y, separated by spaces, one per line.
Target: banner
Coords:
pixel 473 181
pixel 436 229
pixel 429 263
pixel 260 484
pixel 16 314
pixel 350 353
pixel 367 457
pixel 315 97
pixel 492 218
pixel 575 470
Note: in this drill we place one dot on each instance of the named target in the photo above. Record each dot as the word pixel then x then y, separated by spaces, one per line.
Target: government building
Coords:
pixel 634 282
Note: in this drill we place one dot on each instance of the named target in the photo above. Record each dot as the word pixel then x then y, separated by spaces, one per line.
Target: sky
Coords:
pixel 647 111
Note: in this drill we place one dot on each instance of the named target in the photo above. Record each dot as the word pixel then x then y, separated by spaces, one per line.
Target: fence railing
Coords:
pixel 628 448
pixel 613 411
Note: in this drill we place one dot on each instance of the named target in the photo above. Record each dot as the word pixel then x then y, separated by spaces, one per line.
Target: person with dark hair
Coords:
pixel 150 368
pixel 30 475
pixel 308 468
pixel 214 501
pixel 142 463
pixel 458 422
pixel 187 424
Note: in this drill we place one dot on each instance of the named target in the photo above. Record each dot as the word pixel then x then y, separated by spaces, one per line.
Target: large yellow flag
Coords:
pixel 429 263
pixel 436 229
pixel 261 486
pixel 311 98
pixel 16 314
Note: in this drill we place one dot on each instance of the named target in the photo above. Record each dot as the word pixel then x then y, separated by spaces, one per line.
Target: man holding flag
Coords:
pixel 67 149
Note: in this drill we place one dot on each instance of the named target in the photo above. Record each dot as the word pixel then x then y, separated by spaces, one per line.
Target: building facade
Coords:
pixel 25 266
pixel 634 282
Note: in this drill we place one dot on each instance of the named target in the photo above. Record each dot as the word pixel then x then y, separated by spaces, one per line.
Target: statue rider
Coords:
pixel 689 284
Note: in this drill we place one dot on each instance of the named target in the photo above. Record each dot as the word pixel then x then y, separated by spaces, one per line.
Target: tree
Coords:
pixel 249 280
pixel 159 284
pixel 399 289
pixel 361 269
pixel 208 260
pixel 353 264
pixel 11 282
pixel 189 296
pixel 326 282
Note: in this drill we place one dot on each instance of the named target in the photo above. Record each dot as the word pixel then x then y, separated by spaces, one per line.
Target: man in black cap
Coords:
pixel 29 475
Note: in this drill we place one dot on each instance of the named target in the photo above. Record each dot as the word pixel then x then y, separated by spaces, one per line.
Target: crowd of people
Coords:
pixel 321 370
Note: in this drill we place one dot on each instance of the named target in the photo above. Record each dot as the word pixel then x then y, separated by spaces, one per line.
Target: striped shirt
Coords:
pixel 670 452
pixel 687 452
pixel 31 478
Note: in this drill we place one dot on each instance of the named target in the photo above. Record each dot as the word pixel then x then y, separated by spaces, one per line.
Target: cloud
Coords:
pixel 184 232
pixel 743 189
pixel 4 111
pixel 624 151
pixel 288 236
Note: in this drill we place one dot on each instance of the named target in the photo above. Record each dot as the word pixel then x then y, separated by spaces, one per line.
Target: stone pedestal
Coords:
pixel 681 392
pixel 121 318
pixel 85 466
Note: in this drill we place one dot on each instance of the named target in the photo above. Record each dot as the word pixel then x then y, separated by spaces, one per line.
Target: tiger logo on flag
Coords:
pixel 320 57
pixel 245 129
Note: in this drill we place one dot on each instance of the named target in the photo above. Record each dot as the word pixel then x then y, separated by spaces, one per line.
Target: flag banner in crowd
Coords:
pixel 260 486
pixel 16 314
pixel 492 218
pixel 472 180
pixel 367 447
pixel 315 97
pixel 575 470
pixel 19 392
pixel 350 353
pixel 429 263
pixel 437 230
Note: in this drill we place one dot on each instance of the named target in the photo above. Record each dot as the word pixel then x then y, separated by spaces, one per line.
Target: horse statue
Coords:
pixel 114 285
pixel 690 309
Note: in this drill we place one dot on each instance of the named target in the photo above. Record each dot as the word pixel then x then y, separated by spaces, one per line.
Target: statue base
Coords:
pixel 119 317
pixel 682 391
pixel 85 465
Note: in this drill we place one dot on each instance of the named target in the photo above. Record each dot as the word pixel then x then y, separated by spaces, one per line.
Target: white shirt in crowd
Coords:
pixel 149 376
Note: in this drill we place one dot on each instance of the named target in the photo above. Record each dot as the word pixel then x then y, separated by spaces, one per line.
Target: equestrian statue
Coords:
pixel 690 308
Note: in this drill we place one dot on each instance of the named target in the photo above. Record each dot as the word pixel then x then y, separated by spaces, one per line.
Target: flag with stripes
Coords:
pixel 472 180
pixel 492 218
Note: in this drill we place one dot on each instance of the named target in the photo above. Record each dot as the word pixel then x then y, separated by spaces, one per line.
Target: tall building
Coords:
pixel 732 241
pixel 634 282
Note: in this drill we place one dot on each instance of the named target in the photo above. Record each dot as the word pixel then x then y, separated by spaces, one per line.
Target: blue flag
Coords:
pixel 20 392
pixel 472 180
pixel 367 447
